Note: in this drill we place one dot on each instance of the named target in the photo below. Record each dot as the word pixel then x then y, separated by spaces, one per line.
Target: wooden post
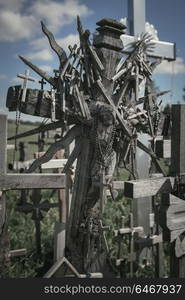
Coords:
pixel 3 161
pixel 178 170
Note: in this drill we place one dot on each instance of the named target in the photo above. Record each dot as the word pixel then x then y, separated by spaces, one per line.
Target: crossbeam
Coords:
pixel 148 187
pixel 163 50
pixel 32 181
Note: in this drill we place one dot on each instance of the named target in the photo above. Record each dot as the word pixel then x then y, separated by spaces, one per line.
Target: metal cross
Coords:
pixel 136 21
pixel 42 83
pixel 25 78
pixel 36 208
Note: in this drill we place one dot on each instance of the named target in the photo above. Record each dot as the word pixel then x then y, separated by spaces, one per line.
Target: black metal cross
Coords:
pixel 36 208
pixel 42 83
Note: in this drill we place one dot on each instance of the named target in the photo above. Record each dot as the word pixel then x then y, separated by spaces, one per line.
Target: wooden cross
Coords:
pixel 136 21
pixel 25 78
pixel 130 230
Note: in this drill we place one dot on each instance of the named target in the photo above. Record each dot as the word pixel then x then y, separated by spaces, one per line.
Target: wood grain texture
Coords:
pixel 30 181
pixel 3 140
pixel 148 187
pixel 178 139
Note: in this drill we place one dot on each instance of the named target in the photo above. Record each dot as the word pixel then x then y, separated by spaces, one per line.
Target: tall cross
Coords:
pixel 25 78
pixel 136 21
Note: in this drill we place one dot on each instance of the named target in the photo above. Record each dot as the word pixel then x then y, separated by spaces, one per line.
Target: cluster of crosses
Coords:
pixel 96 98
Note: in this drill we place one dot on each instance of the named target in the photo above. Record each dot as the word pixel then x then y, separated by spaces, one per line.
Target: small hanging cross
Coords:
pixel 25 78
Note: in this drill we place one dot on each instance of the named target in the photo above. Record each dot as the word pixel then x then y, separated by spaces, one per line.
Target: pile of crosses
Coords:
pixel 96 99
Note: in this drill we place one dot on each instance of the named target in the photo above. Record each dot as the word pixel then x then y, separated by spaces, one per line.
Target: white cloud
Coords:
pixel 42 51
pixel 176 67
pixel 18 21
pixel 13 5
pixel 71 39
pixel 39 43
pixel 56 14
pixel 46 68
pixel 16 80
pixel 14 26
pixel 44 54
pixel 3 76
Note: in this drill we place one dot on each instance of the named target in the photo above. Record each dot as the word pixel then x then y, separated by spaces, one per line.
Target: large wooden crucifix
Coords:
pixel 96 104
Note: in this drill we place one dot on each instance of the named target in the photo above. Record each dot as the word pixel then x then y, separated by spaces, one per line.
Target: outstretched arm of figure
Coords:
pixel 64 142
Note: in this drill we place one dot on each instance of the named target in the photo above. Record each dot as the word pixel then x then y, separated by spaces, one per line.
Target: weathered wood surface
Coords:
pixel 148 187
pixel 3 138
pixel 172 216
pixel 2 211
pixel 56 270
pixel 178 139
pixel 32 181
pixel 54 164
pixel 163 148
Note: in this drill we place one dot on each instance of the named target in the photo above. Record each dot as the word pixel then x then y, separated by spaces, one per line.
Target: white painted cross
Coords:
pixel 136 21
pixel 25 78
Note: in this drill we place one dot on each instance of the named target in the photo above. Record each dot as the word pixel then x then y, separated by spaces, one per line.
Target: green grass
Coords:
pixel 30 149
pixel 21 227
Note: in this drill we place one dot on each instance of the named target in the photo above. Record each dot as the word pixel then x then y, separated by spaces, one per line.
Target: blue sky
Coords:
pixel 20 33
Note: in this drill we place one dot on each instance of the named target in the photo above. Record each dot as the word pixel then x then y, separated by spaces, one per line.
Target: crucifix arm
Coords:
pixel 64 142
